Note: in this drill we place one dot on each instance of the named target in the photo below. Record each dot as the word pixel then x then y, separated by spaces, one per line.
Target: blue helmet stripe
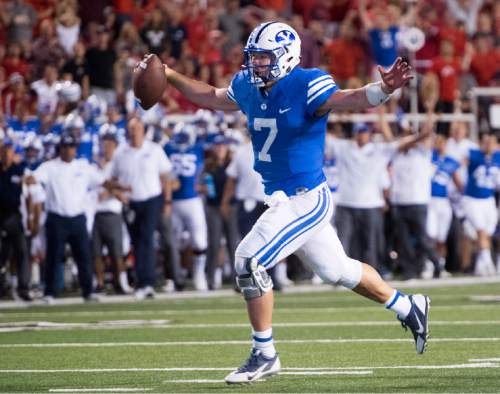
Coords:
pixel 261 30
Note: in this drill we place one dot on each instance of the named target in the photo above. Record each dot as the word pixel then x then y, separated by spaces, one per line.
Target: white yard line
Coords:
pixel 478 360
pixel 109 370
pixel 446 366
pixel 485 298
pixel 103 390
pixel 225 311
pixel 286 371
pixel 200 381
pixel 346 372
pixel 281 373
pixel 234 342
pixel 162 324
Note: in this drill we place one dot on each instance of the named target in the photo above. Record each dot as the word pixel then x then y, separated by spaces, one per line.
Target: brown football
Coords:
pixel 150 81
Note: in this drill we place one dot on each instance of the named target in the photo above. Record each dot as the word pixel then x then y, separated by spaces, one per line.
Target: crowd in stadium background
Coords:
pixel 67 66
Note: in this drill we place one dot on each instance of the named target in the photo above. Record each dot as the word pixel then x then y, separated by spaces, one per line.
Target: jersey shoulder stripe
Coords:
pixel 319 86
pixel 325 88
pixel 230 94
pixel 319 79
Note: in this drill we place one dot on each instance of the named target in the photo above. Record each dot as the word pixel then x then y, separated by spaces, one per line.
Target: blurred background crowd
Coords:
pixel 66 82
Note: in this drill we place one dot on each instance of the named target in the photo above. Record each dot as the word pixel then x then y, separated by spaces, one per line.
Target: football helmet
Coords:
pixel 32 141
pixel 106 130
pixel 184 136
pixel 281 43
pixel 73 123
pixel 94 109
pixel 69 92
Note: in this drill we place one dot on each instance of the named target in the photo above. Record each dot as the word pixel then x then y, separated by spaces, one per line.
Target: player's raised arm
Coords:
pixel 369 95
pixel 200 93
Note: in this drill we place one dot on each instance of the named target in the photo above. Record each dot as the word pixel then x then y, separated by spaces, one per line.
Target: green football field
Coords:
pixel 332 341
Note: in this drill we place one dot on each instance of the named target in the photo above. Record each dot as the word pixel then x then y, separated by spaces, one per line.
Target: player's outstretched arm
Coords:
pixel 200 93
pixel 369 95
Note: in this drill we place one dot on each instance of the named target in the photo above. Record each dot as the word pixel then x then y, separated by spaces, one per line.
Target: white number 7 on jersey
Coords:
pixel 263 123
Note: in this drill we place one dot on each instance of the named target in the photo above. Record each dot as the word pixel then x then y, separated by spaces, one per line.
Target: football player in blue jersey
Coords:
pixel 32 152
pixel 439 213
pixel 287 107
pixel 22 123
pixel 86 135
pixel 188 212
pixel 479 199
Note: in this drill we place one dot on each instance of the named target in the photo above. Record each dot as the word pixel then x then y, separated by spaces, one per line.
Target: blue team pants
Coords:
pixel 145 216
pixel 73 230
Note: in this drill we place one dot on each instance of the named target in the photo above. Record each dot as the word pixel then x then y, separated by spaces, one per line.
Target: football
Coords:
pixel 149 81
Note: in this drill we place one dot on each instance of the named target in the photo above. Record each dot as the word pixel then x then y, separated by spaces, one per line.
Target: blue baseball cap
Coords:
pixel 360 128
pixel 68 140
pixel 220 139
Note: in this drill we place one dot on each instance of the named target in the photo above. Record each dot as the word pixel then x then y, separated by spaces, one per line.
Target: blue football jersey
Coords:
pixel 483 174
pixel 57 128
pixel 187 165
pixel 444 168
pixel 384 45
pixel 121 130
pixel 89 143
pixel 20 129
pixel 288 140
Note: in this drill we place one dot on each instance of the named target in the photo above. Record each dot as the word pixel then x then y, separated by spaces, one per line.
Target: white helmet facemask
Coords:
pixel 279 42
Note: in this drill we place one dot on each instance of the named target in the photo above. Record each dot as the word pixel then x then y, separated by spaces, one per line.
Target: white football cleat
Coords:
pixel 418 320
pixel 145 292
pixel 256 367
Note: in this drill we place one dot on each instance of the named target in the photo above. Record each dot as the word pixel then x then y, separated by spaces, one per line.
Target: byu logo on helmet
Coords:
pixel 282 45
pixel 285 37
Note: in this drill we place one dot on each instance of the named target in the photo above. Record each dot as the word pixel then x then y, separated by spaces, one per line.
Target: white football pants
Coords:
pixel 300 224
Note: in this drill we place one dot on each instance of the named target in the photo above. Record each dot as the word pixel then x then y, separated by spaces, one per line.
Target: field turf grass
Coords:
pixel 331 341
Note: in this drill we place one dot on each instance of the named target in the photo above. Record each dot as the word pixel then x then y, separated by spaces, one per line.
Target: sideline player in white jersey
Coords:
pixel 287 109
pixel 188 213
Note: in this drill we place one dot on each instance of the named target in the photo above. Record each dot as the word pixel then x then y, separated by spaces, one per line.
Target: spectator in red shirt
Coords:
pixel 212 51
pixel 14 63
pixel 276 5
pixel 485 22
pixel 195 25
pixel 454 31
pixel 485 62
pixel 345 56
pixel 427 20
pixel 233 61
pixel 124 10
pixel 16 93
pixel 133 11
pixel 444 76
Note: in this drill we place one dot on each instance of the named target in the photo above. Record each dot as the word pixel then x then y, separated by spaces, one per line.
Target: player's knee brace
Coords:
pixel 253 279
